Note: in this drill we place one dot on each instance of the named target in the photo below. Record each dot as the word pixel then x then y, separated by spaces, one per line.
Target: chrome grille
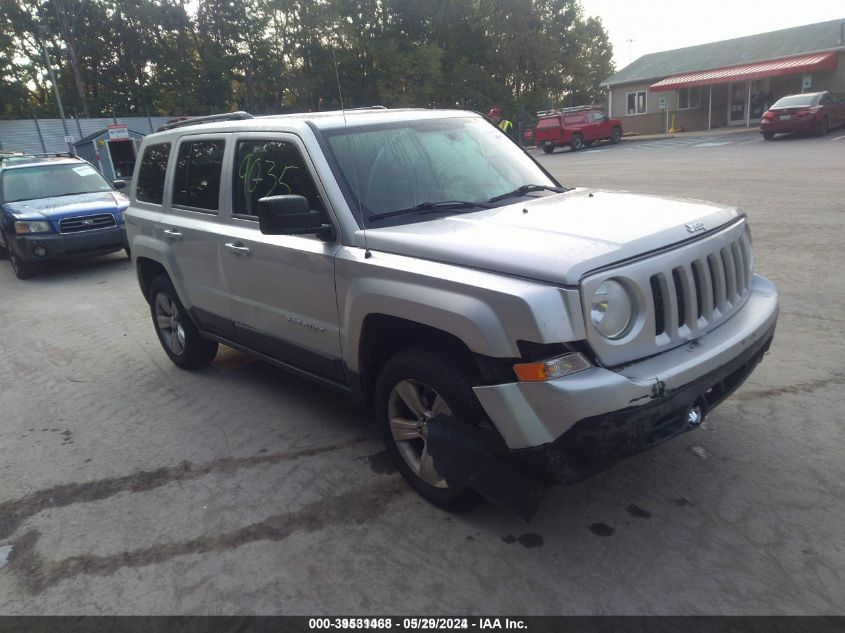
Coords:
pixel 702 291
pixel 681 293
pixel 86 223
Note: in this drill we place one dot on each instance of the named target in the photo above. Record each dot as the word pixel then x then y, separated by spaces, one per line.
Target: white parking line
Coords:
pixel 713 144
pixel 756 140
pixel 838 138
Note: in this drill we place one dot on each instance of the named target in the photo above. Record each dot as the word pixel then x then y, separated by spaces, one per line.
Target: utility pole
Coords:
pixel 630 41
pixel 42 32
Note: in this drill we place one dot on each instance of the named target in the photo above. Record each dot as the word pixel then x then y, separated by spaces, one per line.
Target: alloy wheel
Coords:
pixel 410 406
pixel 169 323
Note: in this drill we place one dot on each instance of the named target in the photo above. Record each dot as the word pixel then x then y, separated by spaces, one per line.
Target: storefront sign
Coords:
pixel 118 132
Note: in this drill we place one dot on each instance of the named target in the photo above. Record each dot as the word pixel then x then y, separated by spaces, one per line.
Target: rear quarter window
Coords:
pixel 196 182
pixel 544 123
pixel 575 119
pixel 150 187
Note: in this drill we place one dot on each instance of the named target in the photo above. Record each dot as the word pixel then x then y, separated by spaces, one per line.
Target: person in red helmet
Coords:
pixel 502 123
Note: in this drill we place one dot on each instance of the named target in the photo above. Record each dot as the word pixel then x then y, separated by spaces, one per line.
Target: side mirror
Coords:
pixel 290 215
pixel 119 184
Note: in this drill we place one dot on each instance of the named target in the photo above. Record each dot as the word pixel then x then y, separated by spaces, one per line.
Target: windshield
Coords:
pixel 400 167
pixel 47 181
pixel 795 101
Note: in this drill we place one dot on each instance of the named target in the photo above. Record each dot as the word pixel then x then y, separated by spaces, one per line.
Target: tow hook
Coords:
pixel 695 415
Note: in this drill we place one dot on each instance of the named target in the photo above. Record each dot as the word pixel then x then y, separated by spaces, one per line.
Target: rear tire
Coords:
pixel 433 384
pixel 768 135
pixel 576 143
pixel 615 135
pixel 178 335
pixel 548 148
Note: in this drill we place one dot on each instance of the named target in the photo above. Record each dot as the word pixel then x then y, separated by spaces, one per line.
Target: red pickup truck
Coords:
pixel 576 127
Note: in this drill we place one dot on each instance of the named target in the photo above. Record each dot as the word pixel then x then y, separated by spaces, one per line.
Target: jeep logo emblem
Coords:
pixel 695 227
pixel 87 222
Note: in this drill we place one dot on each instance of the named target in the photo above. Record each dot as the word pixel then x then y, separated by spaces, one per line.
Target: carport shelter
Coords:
pixel 112 151
pixel 728 83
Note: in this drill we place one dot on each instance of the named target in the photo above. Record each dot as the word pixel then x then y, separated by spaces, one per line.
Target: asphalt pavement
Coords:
pixel 130 486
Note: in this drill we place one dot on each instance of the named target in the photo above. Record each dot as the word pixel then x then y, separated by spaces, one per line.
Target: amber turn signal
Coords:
pixel 552 368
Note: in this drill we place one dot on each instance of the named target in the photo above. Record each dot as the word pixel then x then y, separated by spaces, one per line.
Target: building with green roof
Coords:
pixel 727 83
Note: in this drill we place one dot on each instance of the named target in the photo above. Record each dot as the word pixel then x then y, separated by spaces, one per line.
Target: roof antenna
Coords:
pixel 367 253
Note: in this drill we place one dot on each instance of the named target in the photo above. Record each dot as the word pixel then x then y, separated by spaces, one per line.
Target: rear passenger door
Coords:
pixel 191 227
pixel 281 287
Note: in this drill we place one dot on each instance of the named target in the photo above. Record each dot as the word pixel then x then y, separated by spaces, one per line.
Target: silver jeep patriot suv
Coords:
pixel 424 264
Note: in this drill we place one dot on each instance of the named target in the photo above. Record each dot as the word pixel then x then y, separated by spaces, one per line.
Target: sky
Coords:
pixel 663 25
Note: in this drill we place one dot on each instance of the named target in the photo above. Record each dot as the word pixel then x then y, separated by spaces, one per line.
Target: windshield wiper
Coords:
pixel 429 207
pixel 520 191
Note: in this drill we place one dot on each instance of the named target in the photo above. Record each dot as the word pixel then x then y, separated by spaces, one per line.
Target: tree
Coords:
pixel 277 55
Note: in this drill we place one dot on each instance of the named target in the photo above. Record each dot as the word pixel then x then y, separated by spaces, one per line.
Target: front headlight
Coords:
pixel 611 309
pixel 23 227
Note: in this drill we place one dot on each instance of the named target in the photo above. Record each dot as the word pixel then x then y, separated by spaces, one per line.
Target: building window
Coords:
pixel 689 98
pixel 636 102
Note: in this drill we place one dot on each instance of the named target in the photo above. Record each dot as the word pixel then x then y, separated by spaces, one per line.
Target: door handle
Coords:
pixel 172 235
pixel 237 247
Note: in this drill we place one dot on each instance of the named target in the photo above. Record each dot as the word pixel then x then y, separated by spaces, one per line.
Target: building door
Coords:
pixel 760 99
pixel 737 103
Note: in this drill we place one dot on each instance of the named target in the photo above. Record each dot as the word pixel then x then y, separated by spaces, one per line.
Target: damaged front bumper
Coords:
pixel 580 424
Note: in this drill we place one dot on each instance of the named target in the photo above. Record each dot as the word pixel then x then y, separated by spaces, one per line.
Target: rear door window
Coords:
pixel 150 187
pixel 266 168
pixel 196 182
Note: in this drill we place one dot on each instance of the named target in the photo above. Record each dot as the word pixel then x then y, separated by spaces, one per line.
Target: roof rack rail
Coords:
pixel 53 155
pixel 372 107
pixel 197 120
pixel 580 108
pixel 6 153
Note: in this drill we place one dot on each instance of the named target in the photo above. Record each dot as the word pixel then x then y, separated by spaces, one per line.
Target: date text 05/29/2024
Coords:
pixel 417 623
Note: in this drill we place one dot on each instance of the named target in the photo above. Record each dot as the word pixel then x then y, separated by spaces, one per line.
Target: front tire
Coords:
pixel 23 270
pixel 824 127
pixel 414 386
pixel 548 148
pixel 576 143
pixel 768 135
pixel 178 335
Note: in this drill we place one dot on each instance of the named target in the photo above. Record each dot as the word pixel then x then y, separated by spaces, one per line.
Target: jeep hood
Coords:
pixel 67 206
pixel 555 238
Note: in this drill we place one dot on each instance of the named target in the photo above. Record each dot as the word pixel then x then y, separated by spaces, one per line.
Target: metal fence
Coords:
pixel 47 135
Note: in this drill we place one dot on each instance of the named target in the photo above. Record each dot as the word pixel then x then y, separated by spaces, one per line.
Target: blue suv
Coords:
pixel 55 207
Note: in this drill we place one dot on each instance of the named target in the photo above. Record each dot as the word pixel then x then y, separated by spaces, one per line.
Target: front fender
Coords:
pixel 487 311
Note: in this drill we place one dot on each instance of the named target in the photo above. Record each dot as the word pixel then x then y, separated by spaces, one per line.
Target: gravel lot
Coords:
pixel 132 487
